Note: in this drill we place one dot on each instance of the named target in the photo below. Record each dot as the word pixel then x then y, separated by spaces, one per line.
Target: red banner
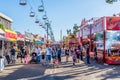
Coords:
pixel 20 35
pixel 10 35
pixel 113 23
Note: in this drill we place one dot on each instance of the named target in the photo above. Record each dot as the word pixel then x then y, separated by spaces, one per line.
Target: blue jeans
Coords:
pixel 39 58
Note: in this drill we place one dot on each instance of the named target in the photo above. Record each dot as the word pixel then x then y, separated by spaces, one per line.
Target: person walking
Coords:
pixel 59 54
pixel 22 50
pixel 43 55
pixel 78 54
pixel 16 51
pixel 54 57
pixel 95 53
pixel 38 52
pixel 74 57
pixel 81 53
pixel 67 54
pixel 13 54
pixel 48 55
pixel 7 55
pixel 26 55
pixel 88 54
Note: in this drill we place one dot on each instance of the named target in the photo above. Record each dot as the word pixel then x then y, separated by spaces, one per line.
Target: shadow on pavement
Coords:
pixel 66 71
pixel 83 69
pixel 27 71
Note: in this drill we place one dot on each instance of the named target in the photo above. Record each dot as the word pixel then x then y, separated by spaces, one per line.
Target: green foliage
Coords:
pixel 111 1
pixel 1 27
pixel 64 37
pixel 72 36
pixel 75 28
pixel 68 31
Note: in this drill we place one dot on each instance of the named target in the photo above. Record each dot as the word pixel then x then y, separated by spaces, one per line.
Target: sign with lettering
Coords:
pixel 11 35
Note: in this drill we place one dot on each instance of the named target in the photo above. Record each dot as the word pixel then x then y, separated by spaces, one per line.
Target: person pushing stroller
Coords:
pixel 34 58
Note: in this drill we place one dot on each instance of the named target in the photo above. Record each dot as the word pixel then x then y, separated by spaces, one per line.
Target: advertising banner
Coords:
pixel 113 23
pixel 11 35
pixel 20 37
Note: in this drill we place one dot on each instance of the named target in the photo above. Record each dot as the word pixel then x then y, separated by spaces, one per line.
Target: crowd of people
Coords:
pixel 46 54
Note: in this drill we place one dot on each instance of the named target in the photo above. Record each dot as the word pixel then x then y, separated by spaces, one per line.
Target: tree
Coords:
pixel 68 31
pixel 1 27
pixel 64 37
pixel 75 28
pixel 111 1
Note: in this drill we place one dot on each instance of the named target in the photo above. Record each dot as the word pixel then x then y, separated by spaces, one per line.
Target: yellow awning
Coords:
pixel 11 31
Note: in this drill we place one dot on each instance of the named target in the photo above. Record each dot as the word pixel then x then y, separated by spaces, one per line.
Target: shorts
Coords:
pixel 13 57
pixel 48 57
pixel 43 56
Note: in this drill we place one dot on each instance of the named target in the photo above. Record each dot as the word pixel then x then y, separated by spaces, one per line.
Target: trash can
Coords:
pixel 1 63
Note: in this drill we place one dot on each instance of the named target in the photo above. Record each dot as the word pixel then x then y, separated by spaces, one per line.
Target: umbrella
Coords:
pixel 39 42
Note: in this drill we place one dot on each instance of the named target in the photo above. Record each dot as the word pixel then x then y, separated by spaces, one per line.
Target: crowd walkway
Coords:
pixel 66 71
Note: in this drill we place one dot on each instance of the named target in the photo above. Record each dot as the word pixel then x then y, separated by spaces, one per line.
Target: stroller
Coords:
pixel 34 58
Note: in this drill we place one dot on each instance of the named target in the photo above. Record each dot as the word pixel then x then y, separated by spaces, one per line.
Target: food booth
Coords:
pixel 104 34
pixel 20 39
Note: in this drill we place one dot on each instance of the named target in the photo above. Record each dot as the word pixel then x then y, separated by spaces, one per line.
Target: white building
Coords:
pixel 5 21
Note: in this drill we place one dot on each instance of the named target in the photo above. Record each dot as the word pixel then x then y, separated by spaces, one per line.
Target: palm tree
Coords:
pixel 75 28
pixel 68 31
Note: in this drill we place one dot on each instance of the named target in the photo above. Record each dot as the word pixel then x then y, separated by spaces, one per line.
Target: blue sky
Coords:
pixel 63 13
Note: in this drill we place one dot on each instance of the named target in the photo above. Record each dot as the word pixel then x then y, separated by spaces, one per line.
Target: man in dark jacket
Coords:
pixel 59 54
